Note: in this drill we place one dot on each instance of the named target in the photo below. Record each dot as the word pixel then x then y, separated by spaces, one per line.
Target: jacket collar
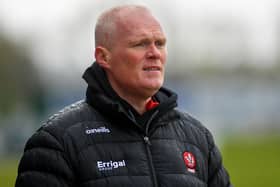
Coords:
pixel 102 97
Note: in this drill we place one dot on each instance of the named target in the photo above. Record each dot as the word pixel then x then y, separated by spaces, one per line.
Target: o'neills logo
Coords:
pixel 98 130
pixel 102 166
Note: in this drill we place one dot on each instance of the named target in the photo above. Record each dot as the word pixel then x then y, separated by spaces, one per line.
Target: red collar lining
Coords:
pixel 151 104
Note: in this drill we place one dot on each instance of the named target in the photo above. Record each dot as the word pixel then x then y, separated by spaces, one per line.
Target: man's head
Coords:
pixel 131 48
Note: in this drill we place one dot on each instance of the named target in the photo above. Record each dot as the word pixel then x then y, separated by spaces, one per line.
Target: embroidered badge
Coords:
pixel 190 161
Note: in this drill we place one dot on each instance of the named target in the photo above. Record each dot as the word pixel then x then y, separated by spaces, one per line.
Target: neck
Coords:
pixel 138 104
pixel 136 100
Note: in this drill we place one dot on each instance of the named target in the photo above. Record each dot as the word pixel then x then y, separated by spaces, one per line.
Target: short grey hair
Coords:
pixel 105 27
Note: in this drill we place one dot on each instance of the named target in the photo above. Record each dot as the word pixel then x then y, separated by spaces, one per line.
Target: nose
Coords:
pixel 153 52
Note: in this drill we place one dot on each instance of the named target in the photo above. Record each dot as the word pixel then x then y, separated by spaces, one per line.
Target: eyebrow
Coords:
pixel 144 38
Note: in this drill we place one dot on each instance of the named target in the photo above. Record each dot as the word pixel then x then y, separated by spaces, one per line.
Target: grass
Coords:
pixel 252 161
pixel 8 171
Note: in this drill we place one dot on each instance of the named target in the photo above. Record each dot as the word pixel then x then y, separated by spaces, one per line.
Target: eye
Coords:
pixel 142 44
pixel 160 43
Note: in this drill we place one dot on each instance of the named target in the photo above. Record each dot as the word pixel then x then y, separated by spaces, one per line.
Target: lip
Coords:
pixel 152 68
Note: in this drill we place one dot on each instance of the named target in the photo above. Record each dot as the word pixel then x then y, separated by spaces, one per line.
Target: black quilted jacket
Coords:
pixel 102 142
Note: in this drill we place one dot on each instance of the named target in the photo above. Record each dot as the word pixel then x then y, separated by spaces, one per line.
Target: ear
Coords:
pixel 102 56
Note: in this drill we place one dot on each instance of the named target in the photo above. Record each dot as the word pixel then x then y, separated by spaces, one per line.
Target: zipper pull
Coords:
pixel 147 140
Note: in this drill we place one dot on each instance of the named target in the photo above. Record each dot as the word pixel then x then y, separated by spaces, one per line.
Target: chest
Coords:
pixel 108 156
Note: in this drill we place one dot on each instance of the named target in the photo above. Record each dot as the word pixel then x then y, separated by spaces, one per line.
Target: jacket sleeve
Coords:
pixel 44 163
pixel 218 176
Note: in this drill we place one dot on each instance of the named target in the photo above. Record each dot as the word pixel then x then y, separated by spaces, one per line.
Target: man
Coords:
pixel 127 132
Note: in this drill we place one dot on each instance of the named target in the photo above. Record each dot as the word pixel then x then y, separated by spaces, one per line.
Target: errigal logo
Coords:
pixel 110 165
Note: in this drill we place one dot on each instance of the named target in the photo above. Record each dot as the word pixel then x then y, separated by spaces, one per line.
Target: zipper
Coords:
pixel 148 149
pixel 147 145
pixel 146 141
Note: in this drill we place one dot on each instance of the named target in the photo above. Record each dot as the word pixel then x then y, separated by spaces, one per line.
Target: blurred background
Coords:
pixel 224 63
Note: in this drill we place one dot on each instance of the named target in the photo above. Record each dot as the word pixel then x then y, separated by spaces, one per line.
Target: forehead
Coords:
pixel 138 24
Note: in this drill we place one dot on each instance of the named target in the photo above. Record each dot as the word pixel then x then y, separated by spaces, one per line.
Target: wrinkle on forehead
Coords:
pixel 138 23
pixel 123 22
pixel 144 36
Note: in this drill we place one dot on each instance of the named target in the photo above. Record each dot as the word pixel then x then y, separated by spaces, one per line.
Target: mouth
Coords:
pixel 152 68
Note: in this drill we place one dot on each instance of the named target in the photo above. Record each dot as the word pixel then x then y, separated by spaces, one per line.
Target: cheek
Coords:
pixel 134 62
pixel 164 57
pixel 127 67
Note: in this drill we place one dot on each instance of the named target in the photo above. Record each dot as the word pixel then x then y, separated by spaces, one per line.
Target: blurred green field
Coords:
pixel 251 162
pixel 8 171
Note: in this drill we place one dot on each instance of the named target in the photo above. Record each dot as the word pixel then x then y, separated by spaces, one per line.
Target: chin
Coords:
pixel 154 88
pixel 152 85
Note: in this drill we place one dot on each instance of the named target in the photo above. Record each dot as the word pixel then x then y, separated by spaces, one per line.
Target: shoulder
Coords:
pixel 187 120
pixel 195 131
pixel 193 122
pixel 45 154
pixel 70 115
pixel 53 129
